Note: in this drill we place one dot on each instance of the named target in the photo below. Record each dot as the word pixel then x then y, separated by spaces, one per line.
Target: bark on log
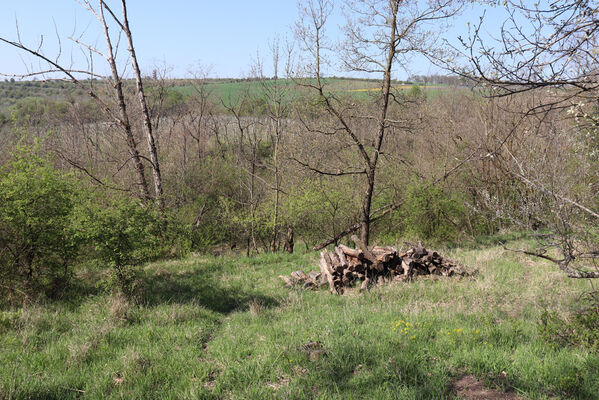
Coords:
pixel 367 253
pixel 326 271
pixel 341 256
pixel 356 253
pixel 364 285
pixel 340 270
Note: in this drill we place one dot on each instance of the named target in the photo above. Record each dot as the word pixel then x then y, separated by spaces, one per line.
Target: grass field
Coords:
pixel 227 91
pixel 225 328
pixel 231 91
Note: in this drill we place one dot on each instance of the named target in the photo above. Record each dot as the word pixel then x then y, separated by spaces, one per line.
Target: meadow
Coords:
pixel 225 328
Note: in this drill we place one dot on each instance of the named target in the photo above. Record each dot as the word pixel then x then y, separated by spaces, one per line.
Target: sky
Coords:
pixel 224 37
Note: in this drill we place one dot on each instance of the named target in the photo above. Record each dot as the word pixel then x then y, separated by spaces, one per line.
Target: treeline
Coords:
pixel 436 79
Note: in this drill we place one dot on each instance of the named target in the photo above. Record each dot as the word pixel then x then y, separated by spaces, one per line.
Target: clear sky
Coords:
pixel 225 35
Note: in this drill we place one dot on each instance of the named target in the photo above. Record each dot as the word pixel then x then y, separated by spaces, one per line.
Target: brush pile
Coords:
pixel 372 265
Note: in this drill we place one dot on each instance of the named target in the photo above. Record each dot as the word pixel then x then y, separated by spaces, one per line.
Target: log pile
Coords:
pixel 345 266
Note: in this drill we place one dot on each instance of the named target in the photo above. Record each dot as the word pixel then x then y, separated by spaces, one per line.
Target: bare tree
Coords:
pixel 380 35
pixel 546 57
pixel 248 132
pixel 120 114
pixel 277 96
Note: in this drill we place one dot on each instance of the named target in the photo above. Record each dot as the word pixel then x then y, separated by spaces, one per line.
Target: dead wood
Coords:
pixel 372 266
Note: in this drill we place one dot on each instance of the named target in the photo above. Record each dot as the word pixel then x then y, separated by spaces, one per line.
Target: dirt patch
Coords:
pixel 470 388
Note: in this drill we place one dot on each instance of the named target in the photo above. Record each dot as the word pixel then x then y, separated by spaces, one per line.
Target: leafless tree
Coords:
pixel 277 95
pixel 119 113
pixel 546 54
pixel 247 129
pixel 379 37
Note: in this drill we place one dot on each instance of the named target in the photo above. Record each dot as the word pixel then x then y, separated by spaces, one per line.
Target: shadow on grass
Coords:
pixel 484 241
pixel 203 286
pixel 412 371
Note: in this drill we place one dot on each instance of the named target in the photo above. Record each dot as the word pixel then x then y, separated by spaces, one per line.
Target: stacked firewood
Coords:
pixel 345 266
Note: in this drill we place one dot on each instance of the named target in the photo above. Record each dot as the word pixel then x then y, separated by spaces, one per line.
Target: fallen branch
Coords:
pixel 563 264
pixel 385 210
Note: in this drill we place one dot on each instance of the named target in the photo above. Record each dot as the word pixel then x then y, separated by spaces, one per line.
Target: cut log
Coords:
pixel 326 271
pixel 341 256
pixel 299 276
pixel 328 261
pixel 406 264
pixel 335 261
pixel 314 275
pixel 287 280
pixel 367 253
pixel 364 284
pixel 375 265
pixel 354 263
pixel 355 253
pixel 385 257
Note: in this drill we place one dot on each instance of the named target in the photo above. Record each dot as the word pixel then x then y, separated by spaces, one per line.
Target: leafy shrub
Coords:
pixel 121 235
pixel 580 330
pixel 36 245
pixel 317 212
pixel 415 91
pixel 430 213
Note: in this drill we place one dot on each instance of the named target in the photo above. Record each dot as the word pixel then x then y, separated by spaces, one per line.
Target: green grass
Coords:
pixel 220 328
pixel 230 91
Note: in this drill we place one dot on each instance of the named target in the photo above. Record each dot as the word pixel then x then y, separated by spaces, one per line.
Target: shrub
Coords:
pixel 122 235
pixel 430 213
pixel 36 247
pixel 582 329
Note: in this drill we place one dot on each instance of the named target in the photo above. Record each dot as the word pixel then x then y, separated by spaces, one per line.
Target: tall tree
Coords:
pixel 379 36
pixel 277 96
pixel 119 112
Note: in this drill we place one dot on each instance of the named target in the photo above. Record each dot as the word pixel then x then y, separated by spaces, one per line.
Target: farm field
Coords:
pixel 225 327
pixel 230 91
pixel 225 90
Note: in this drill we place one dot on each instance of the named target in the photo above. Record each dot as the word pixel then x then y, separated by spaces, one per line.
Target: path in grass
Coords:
pixel 226 328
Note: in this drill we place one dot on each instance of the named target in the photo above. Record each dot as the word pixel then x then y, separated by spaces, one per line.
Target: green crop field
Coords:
pixel 226 328
pixel 231 91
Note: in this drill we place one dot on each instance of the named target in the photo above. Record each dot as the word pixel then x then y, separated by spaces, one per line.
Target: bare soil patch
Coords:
pixel 470 388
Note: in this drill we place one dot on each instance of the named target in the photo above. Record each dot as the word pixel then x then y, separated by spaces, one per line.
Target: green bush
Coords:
pixel 430 213
pixel 582 329
pixel 36 245
pixel 415 92
pixel 121 235
pixel 316 211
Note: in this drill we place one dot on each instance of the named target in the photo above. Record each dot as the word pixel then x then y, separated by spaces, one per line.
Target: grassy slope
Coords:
pixel 225 328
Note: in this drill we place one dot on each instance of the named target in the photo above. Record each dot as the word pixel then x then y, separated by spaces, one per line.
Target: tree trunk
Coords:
pixel 382 128
pixel 277 189
pixel 147 122
pixel 366 205
pixel 289 240
pixel 142 184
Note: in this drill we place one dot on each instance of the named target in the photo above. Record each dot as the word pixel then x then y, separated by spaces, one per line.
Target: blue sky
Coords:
pixel 225 35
